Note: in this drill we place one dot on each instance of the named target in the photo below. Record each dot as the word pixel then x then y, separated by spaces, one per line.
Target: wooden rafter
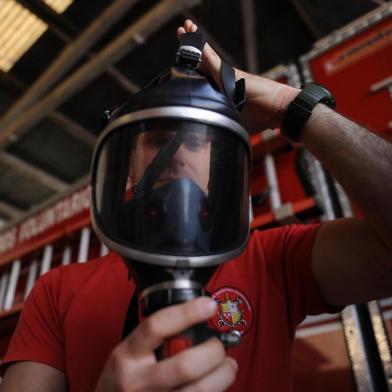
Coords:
pixel 298 6
pixel 128 40
pixel 248 17
pixel 67 32
pixel 41 176
pixel 68 57
pixel 10 211
pixel 78 132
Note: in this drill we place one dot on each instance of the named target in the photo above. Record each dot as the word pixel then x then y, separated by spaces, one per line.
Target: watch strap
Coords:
pixel 301 108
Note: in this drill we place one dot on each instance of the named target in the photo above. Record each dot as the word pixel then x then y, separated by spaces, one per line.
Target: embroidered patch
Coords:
pixel 234 310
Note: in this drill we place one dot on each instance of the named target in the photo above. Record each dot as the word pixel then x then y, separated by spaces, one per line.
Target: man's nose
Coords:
pixel 179 158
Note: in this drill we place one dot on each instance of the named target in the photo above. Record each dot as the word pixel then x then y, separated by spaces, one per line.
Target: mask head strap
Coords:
pixel 156 167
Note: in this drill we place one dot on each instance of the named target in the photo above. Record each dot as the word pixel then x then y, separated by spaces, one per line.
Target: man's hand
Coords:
pixel 266 100
pixel 132 365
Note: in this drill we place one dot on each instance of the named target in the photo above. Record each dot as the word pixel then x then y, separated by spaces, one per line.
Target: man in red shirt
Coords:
pixel 69 333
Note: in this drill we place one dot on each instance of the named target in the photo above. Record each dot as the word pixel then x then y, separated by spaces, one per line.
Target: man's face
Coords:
pixel 192 159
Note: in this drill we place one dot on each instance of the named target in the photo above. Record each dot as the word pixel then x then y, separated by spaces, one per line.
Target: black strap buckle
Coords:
pixel 190 53
pixel 191 49
pixel 234 90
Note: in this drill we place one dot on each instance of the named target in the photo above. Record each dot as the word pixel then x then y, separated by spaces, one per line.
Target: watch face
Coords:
pixel 300 109
pixel 330 102
pixel 320 94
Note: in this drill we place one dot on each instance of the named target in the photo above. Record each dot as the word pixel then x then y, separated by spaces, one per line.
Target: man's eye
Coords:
pixel 195 142
pixel 157 140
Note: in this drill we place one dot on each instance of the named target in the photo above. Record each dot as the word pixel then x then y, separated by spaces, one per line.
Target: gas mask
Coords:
pixel 170 181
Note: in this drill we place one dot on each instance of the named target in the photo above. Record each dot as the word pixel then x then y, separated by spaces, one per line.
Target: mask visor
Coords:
pixel 172 187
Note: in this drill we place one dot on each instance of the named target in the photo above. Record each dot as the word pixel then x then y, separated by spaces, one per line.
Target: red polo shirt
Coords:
pixel 74 316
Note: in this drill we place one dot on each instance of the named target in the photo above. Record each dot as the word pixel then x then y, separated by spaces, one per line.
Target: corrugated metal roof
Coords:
pixel 19 189
pixel 53 151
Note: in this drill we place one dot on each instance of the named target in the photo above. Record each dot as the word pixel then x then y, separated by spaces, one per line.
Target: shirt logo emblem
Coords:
pixel 234 310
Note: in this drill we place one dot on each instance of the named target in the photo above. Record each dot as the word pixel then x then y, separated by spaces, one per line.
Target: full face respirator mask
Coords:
pixel 170 182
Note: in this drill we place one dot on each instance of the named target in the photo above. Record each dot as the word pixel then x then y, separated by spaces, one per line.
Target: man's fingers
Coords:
pixel 181 369
pixel 180 31
pixel 189 26
pixel 211 61
pixel 168 322
pixel 218 380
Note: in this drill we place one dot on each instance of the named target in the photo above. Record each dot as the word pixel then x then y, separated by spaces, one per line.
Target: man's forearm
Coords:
pixel 360 160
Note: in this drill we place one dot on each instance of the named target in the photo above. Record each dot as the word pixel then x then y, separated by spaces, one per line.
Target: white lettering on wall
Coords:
pixel 46 220
pixel 8 239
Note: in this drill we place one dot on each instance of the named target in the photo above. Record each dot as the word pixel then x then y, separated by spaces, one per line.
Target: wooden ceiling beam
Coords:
pixel 248 21
pixel 123 81
pixel 74 129
pixel 154 19
pixel 379 2
pixel 15 86
pixel 71 54
pixel 38 174
pixel 10 211
pixel 311 26
pixel 67 32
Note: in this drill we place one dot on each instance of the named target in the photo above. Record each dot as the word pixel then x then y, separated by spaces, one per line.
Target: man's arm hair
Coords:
pixel 30 376
pixel 352 258
pixel 360 160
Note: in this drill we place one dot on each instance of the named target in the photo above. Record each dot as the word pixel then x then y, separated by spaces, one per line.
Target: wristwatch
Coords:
pixel 301 107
